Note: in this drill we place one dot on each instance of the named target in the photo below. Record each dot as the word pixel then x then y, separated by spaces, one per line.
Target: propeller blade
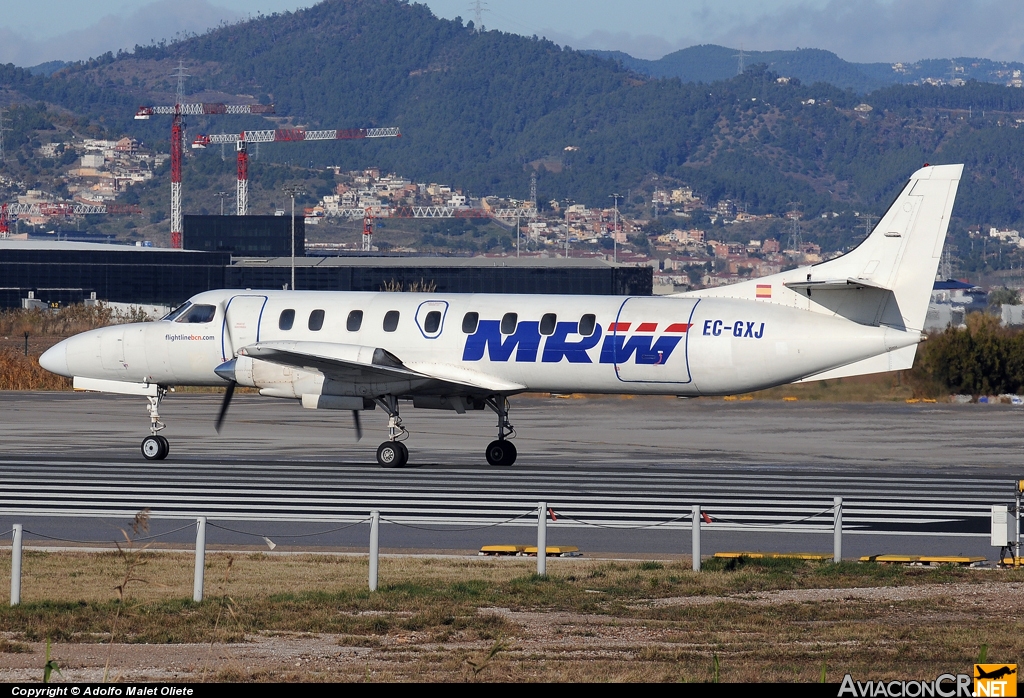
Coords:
pixel 225 404
pixel 359 426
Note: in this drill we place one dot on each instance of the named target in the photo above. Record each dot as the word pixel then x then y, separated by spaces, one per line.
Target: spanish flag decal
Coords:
pixel 764 290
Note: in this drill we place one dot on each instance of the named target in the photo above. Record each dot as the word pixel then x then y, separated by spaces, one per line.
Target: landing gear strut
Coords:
pixel 392 453
pixel 155 446
pixel 502 451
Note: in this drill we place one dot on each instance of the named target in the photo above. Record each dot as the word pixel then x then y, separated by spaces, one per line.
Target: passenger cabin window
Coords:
pixel 355 321
pixel 587 324
pixel 198 314
pixel 509 322
pixel 547 323
pixel 316 320
pixel 287 319
pixel 469 322
pixel 391 321
pixel 432 322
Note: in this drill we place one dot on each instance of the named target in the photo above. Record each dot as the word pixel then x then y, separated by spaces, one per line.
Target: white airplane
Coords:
pixel 856 314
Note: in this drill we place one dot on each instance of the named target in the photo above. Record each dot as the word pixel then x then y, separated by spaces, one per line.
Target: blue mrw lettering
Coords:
pixel 558 347
pixel 488 338
pixel 618 350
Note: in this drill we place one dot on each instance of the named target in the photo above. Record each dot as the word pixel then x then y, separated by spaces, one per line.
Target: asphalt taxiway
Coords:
pixel 620 473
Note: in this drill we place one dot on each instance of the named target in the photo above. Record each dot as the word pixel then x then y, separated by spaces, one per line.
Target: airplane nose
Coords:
pixel 55 359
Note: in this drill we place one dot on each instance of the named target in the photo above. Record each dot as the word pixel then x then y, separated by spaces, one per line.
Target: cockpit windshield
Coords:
pixel 198 314
pixel 173 315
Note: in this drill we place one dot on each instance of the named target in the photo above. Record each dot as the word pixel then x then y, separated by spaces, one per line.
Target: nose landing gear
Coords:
pixel 155 446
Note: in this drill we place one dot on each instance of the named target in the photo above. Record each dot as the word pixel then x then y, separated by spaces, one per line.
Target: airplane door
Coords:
pixel 242 319
pixel 649 340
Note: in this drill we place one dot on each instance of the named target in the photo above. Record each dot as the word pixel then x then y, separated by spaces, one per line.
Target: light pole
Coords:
pixel 292 192
pixel 568 202
pixel 222 195
pixel 615 227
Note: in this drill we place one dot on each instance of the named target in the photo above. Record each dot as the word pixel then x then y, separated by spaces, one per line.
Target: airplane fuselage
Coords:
pixel 601 344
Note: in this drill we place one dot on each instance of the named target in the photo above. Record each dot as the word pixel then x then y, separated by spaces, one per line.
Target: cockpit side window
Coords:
pixel 174 314
pixel 198 315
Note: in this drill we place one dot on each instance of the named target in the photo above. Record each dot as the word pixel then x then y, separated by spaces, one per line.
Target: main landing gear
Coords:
pixel 393 453
pixel 155 446
pixel 501 451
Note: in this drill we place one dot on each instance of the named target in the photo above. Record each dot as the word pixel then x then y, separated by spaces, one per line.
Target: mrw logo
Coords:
pixel 643 345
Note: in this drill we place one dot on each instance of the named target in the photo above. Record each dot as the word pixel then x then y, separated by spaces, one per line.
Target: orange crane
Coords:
pixel 177 111
pixel 241 140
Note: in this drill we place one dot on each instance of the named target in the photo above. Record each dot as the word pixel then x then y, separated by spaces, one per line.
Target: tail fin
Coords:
pixel 888 278
pixel 901 255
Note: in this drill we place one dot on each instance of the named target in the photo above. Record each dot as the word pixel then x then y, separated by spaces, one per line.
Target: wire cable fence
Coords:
pixel 697 518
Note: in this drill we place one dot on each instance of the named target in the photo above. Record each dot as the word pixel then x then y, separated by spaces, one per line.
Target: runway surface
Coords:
pixel 620 474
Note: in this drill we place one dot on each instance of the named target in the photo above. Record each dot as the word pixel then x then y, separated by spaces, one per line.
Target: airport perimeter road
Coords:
pixel 620 473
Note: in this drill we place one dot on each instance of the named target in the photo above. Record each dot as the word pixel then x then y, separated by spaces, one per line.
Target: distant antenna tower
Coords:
pixel 3 127
pixel 740 57
pixel 869 221
pixel 478 8
pixel 946 266
pixel 796 241
pixel 533 189
pixel 180 73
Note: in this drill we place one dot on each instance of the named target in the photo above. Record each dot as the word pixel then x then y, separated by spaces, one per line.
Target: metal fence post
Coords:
pixel 16 565
pixel 695 537
pixel 374 547
pixel 197 584
pixel 837 529
pixel 542 538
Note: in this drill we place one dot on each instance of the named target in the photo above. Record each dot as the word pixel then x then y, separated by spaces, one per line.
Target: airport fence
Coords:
pixel 697 519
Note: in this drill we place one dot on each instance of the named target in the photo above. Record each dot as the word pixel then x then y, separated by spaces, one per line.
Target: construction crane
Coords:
pixel 278 136
pixel 178 111
pixel 53 209
pixel 370 213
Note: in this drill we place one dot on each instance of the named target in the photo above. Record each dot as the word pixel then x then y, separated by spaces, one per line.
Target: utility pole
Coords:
pixel 3 127
pixel 292 191
pixel 567 203
pixel 615 227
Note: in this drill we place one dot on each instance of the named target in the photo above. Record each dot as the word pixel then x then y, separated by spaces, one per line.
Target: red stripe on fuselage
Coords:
pixel 618 327
pixel 647 327
pixel 678 327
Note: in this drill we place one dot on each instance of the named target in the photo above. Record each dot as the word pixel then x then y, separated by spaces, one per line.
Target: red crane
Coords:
pixel 177 111
pixel 277 136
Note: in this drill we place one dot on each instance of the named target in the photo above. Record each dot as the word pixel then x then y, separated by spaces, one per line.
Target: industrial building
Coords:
pixel 245 236
pixel 70 272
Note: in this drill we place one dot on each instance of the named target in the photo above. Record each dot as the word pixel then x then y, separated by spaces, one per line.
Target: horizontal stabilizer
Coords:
pixel 832 285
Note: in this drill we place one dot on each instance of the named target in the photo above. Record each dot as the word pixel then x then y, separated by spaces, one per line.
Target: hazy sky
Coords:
pixel 859 30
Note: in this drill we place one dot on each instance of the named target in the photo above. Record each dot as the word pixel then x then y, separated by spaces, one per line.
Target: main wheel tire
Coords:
pixel 390 453
pixel 153 448
pixel 166 444
pixel 501 452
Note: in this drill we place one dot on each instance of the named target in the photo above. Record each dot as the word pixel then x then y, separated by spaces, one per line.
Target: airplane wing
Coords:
pixel 351 363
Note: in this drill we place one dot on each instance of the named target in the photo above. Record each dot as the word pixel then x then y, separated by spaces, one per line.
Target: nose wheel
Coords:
pixel 155 447
pixel 501 451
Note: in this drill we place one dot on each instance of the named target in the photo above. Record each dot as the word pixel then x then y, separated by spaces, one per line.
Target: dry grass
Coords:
pixel 486 619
